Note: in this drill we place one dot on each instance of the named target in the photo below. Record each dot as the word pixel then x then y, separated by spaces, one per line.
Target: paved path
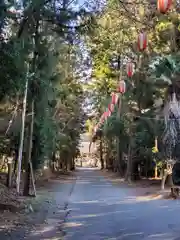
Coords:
pixel 94 209
pixel 100 210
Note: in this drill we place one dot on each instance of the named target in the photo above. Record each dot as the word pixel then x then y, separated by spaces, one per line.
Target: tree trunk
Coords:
pixel 18 180
pixel 156 168
pixel 65 164
pixel 119 154
pixel 129 160
pixel 9 176
pixel 27 167
pixel 29 151
pixel 129 164
pixel 27 180
pixel 101 154
pixel 108 154
pixel 70 161
pixel 146 168
pixel 119 159
pixel 161 173
pixel 15 160
pixel 73 164
pixel 156 172
pixel 165 175
pixel 53 162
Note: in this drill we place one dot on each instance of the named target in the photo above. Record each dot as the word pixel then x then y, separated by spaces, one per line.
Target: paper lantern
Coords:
pixel 114 99
pixel 122 87
pixel 111 107
pixel 101 120
pixel 163 5
pixel 107 114
pixel 142 41
pixel 130 69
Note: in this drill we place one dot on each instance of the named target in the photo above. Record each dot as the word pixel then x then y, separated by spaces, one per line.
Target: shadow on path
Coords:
pixel 50 209
pixel 100 210
pixel 95 209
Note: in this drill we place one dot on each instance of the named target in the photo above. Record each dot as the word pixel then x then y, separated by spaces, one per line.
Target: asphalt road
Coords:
pixel 99 210
pixel 89 207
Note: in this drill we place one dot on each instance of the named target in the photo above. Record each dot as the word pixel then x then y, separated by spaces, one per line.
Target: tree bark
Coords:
pixel 129 160
pixel 156 172
pixel 129 164
pixel 108 154
pixel 27 167
pixel 118 164
pixel 29 150
pixel 15 160
pixel 9 176
pixel 163 180
pixel 18 180
pixel 27 180
pixel 53 162
pixel 72 166
pixel 101 153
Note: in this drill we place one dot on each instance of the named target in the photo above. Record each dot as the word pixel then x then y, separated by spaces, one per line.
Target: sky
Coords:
pixel 77 4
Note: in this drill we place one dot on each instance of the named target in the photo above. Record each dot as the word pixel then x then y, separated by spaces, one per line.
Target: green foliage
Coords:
pixel 155 70
pixel 43 46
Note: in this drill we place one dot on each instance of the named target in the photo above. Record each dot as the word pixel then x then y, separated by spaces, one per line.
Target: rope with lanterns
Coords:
pixel 142 41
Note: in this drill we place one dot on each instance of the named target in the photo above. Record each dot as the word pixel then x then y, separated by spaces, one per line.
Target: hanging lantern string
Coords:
pixel 162 8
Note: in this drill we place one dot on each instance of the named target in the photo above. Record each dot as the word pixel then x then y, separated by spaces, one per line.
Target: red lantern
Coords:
pixel 107 114
pixel 111 107
pixel 130 69
pixel 101 120
pixel 122 87
pixel 142 41
pixel 163 5
pixel 114 99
